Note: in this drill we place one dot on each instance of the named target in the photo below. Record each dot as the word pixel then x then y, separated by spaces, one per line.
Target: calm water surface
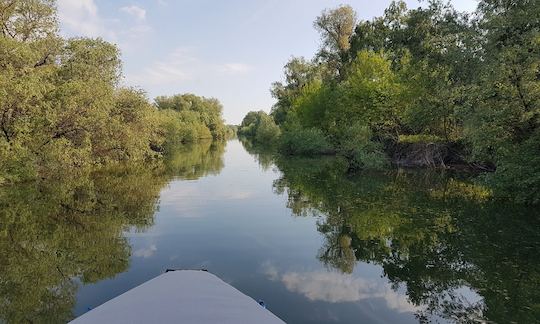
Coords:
pixel 317 245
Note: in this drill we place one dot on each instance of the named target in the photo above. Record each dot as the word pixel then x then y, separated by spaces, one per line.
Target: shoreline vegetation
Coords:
pixel 63 111
pixel 428 87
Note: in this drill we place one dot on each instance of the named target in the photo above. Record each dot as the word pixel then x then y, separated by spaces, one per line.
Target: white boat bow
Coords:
pixel 181 296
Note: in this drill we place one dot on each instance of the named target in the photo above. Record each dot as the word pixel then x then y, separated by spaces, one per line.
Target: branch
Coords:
pixel 43 61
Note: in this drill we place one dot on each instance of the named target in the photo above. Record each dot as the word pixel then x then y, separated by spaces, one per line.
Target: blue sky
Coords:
pixel 231 50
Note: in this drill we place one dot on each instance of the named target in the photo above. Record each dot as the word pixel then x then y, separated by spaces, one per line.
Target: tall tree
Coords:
pixel 298 73
pixel 336 27
pixel 504 124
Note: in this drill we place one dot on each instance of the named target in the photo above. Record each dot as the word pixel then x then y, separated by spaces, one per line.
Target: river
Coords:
pixel 316 244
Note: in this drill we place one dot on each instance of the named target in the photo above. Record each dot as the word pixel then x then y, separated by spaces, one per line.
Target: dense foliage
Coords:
pixel 423 87
pixel 260 127
pixel 304 141
pixel 62 109
pixel 202 116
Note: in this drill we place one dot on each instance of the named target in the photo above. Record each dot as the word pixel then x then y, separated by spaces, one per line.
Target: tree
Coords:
pixel 28 20
pixel 298 72
pixel 504 121
pixel 268 131
pixel 336 27
pixel 260 127
pixel 371 95
pixel 381 33
pixel 28 46
pixel 62 109
pixel 204 111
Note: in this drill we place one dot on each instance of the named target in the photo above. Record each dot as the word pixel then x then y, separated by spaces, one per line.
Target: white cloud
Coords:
pixel 175 68
pixel 181 65
pixel 81 18
pixel 235 68
pixel 145 252
pixel 135 11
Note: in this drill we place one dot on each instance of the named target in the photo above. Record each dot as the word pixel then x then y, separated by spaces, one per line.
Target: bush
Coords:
pixel 267 132
pixel 247 131
pixel 361 150
pixel 305 142
pixel 518 172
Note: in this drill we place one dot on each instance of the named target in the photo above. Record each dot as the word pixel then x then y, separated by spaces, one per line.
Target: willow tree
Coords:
pixel 197 111
pixel 28 47
pixel 61 107
pixel 336 27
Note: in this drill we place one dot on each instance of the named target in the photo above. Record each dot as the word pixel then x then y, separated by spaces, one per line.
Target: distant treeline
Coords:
pixel 423 87
pixel 62 109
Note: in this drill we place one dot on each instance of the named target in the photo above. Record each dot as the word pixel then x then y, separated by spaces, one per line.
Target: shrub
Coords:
pixel 363 152
pixel 267 131
pixel 247 131
pixel 304 142
pixel 518 172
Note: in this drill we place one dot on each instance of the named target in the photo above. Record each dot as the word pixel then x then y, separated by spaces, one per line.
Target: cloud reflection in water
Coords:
pixel 336 287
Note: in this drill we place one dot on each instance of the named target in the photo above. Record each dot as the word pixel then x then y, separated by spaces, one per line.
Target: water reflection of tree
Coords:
pixel 263 153
pixel 433 232
pixel 196 160
pixel 72 227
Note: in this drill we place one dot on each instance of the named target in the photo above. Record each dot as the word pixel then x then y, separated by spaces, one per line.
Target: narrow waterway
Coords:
pixel 317 245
